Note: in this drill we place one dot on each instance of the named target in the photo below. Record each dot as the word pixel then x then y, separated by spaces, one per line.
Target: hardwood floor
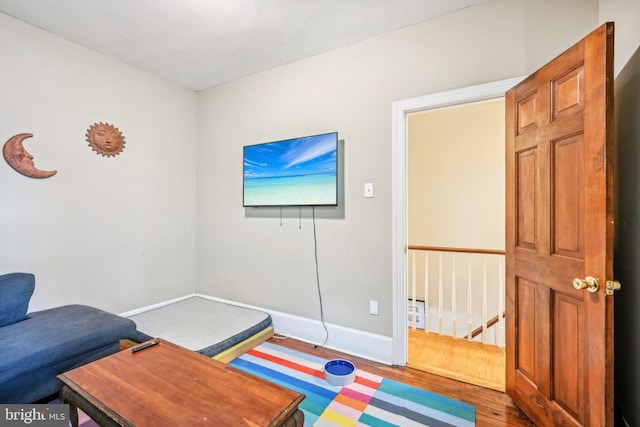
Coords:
pixel 493 408
pixel 457 358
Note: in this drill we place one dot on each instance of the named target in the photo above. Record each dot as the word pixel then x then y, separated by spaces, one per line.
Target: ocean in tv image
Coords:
pixel 292 172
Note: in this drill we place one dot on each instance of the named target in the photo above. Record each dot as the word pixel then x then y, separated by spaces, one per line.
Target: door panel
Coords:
pixel 526 168
pixel 566 184
pixel 526 324
pixel 569 355
pixel 559 227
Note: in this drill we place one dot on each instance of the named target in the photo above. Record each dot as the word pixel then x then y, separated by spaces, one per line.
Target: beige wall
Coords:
pixel 456 177
pixel 626 15
pixel 117 233
pixel 549 27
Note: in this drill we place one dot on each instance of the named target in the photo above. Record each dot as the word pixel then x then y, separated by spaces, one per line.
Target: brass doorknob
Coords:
pixel 589 283
pixel 612 285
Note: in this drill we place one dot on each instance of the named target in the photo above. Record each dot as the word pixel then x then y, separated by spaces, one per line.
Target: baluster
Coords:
pixel 426 291
pixel 413 290
pixel 453 296
pixel 501 302
pixel 440 294
pixel 484 300
pixel 469 300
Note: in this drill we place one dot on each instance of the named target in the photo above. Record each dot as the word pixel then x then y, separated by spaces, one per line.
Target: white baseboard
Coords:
pixel 347 340
pixel 367 345
pixel 154 306
pixel 351 341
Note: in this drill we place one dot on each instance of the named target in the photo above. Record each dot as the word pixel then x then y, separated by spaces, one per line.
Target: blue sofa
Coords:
pixel 36 347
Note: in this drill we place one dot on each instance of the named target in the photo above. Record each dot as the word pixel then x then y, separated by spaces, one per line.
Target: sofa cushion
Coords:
pixel 41 383
pixel 15 292
pixel 48 337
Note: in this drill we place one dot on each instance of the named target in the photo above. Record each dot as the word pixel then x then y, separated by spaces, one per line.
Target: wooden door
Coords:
pixel 559 223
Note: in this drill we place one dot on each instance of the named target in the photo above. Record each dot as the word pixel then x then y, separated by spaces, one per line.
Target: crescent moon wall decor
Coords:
pixel 20 159
pixel 105 139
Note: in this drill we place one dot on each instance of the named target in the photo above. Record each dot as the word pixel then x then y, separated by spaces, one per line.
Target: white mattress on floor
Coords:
pixel 196 322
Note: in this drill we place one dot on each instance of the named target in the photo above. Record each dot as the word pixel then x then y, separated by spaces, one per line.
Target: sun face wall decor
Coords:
pixel 20 159
pixel 105 139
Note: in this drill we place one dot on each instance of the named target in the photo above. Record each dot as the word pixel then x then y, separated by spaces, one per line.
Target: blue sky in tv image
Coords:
pixel 309 155
pixel 292 172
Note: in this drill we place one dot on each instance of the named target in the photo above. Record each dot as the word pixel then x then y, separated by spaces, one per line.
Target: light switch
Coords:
pixel 373 307
pixel 368 189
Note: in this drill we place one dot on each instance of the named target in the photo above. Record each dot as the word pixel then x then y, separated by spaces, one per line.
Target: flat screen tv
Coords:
pixel 292 172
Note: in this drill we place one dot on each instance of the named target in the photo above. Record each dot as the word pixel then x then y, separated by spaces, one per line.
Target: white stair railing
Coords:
pixel 474 296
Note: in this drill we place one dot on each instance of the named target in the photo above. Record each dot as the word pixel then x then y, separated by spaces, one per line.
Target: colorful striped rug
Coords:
pixel 371 400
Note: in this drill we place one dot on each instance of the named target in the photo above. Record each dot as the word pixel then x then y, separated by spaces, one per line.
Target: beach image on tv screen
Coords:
pixel 294 172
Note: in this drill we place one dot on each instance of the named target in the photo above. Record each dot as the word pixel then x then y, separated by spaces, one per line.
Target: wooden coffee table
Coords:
pixel 168 385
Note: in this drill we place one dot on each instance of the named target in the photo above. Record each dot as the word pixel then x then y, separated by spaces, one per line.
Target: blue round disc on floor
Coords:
pixel 339 372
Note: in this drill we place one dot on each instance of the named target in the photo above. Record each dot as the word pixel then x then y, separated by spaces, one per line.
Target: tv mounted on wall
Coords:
pixel 292 172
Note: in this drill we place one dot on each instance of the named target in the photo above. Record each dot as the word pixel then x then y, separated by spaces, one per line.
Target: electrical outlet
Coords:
pixel 368 189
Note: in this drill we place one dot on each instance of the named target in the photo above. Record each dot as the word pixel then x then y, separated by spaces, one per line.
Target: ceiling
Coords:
pixel 199 44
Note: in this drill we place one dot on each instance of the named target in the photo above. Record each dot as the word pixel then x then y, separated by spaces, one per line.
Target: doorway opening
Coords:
pixel 456 224
pixel 406 268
